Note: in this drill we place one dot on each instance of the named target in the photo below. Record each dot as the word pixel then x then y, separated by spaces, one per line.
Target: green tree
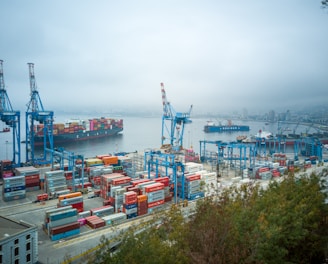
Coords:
pixel 286 223
pixel 292 222
pixel 158 241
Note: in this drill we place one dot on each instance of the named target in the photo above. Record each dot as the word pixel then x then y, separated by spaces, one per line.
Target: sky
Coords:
pixel 219 56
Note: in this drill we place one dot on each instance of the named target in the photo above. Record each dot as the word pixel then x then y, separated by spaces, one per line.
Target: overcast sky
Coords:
pixel 218 55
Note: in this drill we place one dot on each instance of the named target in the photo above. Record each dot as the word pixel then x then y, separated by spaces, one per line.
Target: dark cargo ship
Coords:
pixel 79 130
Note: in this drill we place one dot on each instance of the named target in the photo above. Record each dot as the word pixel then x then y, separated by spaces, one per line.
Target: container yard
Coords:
pixel 62 214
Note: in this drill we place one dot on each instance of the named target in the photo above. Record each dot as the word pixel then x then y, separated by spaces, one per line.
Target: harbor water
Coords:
pixel 140 133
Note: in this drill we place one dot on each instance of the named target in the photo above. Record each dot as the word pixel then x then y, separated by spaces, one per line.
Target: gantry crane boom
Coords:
pixel 10 117
pixel 36 113
pixel 176 120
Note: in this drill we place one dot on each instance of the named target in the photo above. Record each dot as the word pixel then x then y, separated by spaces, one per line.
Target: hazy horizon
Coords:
pixel 219 56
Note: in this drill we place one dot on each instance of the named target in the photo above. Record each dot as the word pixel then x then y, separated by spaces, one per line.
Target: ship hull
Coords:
pixel 79 136
pixel 232 128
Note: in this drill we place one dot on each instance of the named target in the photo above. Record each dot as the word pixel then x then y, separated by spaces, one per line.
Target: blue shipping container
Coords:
pixel 130 206
pixel 65 234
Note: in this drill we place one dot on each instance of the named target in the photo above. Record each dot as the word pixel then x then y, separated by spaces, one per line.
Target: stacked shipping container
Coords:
pixel 32 177
pixel 6 168
pixel 55 181
pixel 14 188
pixel 130 204
pixel 61 223
pixel 95 221
pixel 74 199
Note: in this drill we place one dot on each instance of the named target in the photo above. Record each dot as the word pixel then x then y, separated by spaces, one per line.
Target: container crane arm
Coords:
pixel 176 120
pixel 167 108
pixel 10 117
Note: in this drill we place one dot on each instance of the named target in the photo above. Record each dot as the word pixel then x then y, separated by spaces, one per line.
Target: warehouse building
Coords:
pixel 18 242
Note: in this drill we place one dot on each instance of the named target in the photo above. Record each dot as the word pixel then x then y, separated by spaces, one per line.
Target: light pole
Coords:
pixel 7 149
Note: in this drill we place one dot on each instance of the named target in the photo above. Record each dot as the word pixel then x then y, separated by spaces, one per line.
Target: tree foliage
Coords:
pixel 286 223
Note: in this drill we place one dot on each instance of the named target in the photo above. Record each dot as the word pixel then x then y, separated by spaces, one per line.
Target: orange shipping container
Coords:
pixel 69 195
pixel 110 160
pixel 142 198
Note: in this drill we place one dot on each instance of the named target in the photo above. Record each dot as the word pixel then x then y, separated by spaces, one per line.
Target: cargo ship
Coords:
pixel 80 130
pixel 210 127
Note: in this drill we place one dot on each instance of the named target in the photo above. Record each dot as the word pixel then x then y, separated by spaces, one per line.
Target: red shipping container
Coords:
pixel 32 184
pixel 193 177
pixel 43 196
pixel 167 199
pixel 136 182
pixel 68 173
pixel 78 206
pixel 102 156
pixel 133 189
pixel 153 204
pixel 122 180
pixel 130 194
pixel 143 212
pixel 106 202
pixel 107 178
pixel 154 187
pixel 95 221
pixel 263 169
pixel 29 181
pixel 64 228
pixel 164 180
pixel 34 176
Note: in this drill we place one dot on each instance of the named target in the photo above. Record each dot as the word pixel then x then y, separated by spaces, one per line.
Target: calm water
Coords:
pixel 139 133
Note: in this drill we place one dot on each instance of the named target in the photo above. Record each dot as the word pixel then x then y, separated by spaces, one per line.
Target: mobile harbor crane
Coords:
pixel 11 118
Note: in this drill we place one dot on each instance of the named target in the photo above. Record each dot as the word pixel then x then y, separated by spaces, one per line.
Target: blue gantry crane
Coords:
pixel 173 123
pixel 36 113
pixel 11 118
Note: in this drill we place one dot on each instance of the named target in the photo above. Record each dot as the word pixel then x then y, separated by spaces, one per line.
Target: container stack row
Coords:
pixel 54 181
pixel 191 187
pixel 209 179
pixel 32 177
pixel 281 158
pixel 155 195
pixel 74 199
pixel 14 188
pixel 130 204
pixel 95 222
pixel 61 223
pixel 6 168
